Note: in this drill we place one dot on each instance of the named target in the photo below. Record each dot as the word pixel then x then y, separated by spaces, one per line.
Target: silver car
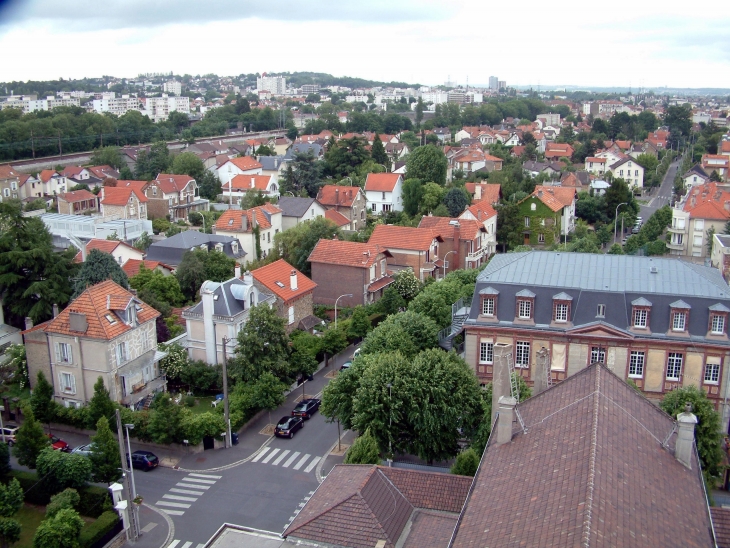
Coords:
pixel 84 450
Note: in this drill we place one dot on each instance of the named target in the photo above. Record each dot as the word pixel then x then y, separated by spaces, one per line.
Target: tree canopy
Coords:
pixel 98 267
pixel 427 163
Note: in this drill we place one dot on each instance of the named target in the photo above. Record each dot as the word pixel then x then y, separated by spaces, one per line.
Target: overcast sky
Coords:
pixel 649 44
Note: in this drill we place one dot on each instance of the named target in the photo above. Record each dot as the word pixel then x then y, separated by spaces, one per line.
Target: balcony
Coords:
pixel 674 246
pixel 474 256
pixel 676 230
pixel 142 389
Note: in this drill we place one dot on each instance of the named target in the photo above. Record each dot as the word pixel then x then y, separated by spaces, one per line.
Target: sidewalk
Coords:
pixel 156 529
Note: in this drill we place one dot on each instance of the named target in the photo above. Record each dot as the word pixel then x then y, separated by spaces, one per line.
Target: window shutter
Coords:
pixel 58 352
pixel 60 381
pixel 70 353
pixel 73 383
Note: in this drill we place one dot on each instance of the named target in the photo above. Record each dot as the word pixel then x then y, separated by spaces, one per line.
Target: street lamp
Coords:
pixel 336 301
pixel 129 427
pixel 615 222
pixel 449 253
pixel 390 424
pixel 346 177
pixel 226 416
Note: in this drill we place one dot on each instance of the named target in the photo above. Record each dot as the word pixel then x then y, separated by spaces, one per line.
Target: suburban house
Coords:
pixel 213 324
pixel 636 315
pixel 132 267
pixel 383 192
pixel 409 247
pixel 123 202
pixel 720 257
pixel 484 213
pixel 548 213
pixel 594 165
pixel 297 210
pixel 630 171
pixel 171 250
pixel 341 268
pixel 242 165
pixel 487 192
pixel 51 182
pixel 703 210
pixel 464 242
pixel 122 252
pixel 717 163
pixel 176 196
pixel 293 291
pixel 695 176
pixel 105 332
pixel 272 166
pixel 240 185
pixel 342 222
pixel 349 201
pixel 555 151
pixel 9 182
pixel 254 228
pixel 78 202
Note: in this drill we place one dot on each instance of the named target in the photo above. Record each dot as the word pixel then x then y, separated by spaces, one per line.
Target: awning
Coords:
pixel 377 285
pixel 159 355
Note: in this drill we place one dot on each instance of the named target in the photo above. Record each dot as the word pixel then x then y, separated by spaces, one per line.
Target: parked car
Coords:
pixel 84 450
pixel 635 230
pixel 356 353
pixel 10 430
pixel 58 444
pixel 346 365
pixel 287 426
pixel 306 408
pixel 144 460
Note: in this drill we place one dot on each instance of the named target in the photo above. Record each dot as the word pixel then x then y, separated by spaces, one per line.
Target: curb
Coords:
pixel 168 520
pixel 318 470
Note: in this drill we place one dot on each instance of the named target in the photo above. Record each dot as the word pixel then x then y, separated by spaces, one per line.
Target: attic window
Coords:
pixel 280 284
pixel 110 319
pixel 230 222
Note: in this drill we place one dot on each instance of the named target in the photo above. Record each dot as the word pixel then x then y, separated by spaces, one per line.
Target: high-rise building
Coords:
pixel 310 88
pixel 274 84
pixel 502 85
pixel 172 86
pixel 493 83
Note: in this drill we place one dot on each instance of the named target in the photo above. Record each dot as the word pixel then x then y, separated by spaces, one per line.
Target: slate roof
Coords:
pixel 304 148
pixel 381 182
pixel 590 471
pixel 294 207
pixel 697 170
pixel 271 163
pixel 96 302
pixel 342 252
pixel 171 250
pixel 277 274
pixel 402 237
pixel 230 298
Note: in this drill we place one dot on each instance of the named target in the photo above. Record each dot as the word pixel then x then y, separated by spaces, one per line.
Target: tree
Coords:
pixel 296 244
pixel 427 163
pixel 262 347
pixel 412 194
pixel 209 185
pixel 41 400
pixel 68 498
pixel 339 394
pixel 190 274
pixel 707 431
pixel 107 156
pixel 165 424
pixel 98 267
pixel 302 173
pixel 60 531
pixel 359 323
pixel 11 500
pixel 679 118
pixel 100 404
pixel 436 299
pixel 616 249
pixel 456 200
pixel 30 440
pixel 509 227
pixel 61 470
pixel 4 459
pixel 143 242
pixel 391 302
pixel 333 341
pixel 406 284
pixel 219 267
pixel 378 152
pixel 431 198
pixel 268 392
pixel 150 164
pixel 407 332
pixel 364 450
pixel 345 156
pixel 187 163
pixel 616 194
pixel 104 457
pixel 466 463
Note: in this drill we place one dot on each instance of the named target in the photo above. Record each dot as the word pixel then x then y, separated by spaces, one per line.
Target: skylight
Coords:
pixel 280 284
pixel 110 319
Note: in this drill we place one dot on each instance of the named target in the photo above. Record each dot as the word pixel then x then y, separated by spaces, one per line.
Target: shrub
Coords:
pixel 190 401
pixel 35 492
pixel 466 463
pixel 93 532
pixel 94 501
pixel 68 498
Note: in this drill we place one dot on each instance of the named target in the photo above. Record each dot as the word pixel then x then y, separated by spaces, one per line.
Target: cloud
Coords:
pixel 146 14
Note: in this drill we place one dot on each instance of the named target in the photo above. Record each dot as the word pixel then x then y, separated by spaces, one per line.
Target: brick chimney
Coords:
pixel 686 436
pixel 506 418
pixel 253 182
pixel 540 373
pixel 28 323
pixel 477 192
pixel 500 375
pixel 293 280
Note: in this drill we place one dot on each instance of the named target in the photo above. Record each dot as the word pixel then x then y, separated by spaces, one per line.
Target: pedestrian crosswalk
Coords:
pixel 185 492
pixel 287 459
pixel 176 544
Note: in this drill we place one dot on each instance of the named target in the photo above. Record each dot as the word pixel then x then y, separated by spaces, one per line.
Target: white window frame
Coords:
pixel 524 307
pixel 64 353
pixel 598 354
pixel 674 366
pixel 641 317
pixel 488 306
pixel 679 321
pixel 522 354
pixel 637 361
pixel 561 312
pixel 122 355
pixel 601 311
pixel 486 352
pixel 67 382
pixel 717 325
pixel 712 371
pixel 291 315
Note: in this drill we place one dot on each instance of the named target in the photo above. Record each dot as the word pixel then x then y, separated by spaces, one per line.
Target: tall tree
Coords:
pixel 109 156
pixel 412 194
pixel 263 346
pixel 268 392
pixel 359 323
pixel 378 152
pixel 295 245
pixel 302 174
pixel 41 400
pixel 104 457
pixel 456 200
pixel 190 274
pixel 101 404
pixel 187 163
pixel 98 267
pixel 62 470
pixel 345 156
pixel 364 450
pixel 30 440
pixel 427 163
pixel 11 500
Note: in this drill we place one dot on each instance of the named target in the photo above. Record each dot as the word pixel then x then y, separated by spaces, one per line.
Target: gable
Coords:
pixel 600 330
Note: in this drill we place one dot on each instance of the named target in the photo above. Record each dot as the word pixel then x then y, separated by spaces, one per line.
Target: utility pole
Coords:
pixel 131 506
pixel 60 151
pixel 32 146
pixel 226 416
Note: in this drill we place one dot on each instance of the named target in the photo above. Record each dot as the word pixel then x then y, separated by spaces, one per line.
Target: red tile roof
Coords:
pixel 232 219
pixel 104 171
pixel 468 229
pixel 245 163
pixel 71 171
pixel 132 266
pixel 46 175
pixel 248 182
pixel 277 279
pixel 555 197
pixel 489 192
pixel 596 160
pixel 482 210
pixel 8 172
pixel 721 523
pixel 170 183
pixel 346 253
pixel 402 237
pixel 107 246
pixel 381 182
pixel 120 195
pixel 725 146
pixel 336 217
pixel 332 195
pixel 707 201
pixel 77 196
pixel 96 303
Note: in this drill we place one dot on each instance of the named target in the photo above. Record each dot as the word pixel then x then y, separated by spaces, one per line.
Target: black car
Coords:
pixel 144 460
pixel 306 408
pixel 286 427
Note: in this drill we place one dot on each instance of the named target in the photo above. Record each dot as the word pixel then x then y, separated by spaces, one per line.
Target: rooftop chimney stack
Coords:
pixel 248 277
pixel 686 436
pixel 28 323
pixel 506 418
pixel 237 271
pixel 477 192
pixel 253 182
pixel 540 373
pixel 500 375
pixel 293 280
pixel 55 310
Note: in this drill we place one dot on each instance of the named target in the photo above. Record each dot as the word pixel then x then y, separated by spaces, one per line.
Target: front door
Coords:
pixel 527 239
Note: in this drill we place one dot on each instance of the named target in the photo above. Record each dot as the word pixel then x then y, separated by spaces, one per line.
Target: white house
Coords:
pixel 383 192
pixel 594 165
pixel 630 171
pixel 695 176
pixel 240 185
pixel 244 165
pixel 245 225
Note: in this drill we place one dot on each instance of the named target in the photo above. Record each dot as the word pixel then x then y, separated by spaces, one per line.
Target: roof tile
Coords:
pixel 277 279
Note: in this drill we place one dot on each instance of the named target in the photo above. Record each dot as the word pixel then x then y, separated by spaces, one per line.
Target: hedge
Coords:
pixel 95 531
pixel 93 498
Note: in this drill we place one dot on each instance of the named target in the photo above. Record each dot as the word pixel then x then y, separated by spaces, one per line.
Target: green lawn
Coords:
pixel 30 518
pixel 203 406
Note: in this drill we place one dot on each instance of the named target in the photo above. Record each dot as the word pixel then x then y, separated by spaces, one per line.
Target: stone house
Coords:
pixel 175 196
pixel 349 201
pixel 547 214
pixel 255 228
pixel 77 202
pixel 105 332
pixel 123 202
pixel 292 289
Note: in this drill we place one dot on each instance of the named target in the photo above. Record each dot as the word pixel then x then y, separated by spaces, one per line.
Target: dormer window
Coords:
pixel 561 307
pixel 234 247
pixel 489 301
pixel 204 247
pixel 640 313
pixel 679 314
pixel 219 247
pixel 525 304
pixel 718 319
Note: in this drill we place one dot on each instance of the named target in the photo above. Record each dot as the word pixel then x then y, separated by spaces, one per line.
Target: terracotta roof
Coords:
pixel 707 201
pixel 7 171
pixel 555 197
pixel 170 183
pixel 119 195
pixel 342 252
pixel 244 182
pixel 336 217
pixel 132 266
pixel 377 285
pixel 468 229
pixel 71 171
pixel 596 160
pixel 104 171
pixel 232 219
pixel 482 210
pixel 245 163
pixel 402 237
pixel 381 182
pixel 277 279
pixel 615 484
pixel 490 192
pixel 332 195
pixel 77 196
pixel 721 522
pixel 725 146
pixel 97 304
pixel 107 246
pixel 46 175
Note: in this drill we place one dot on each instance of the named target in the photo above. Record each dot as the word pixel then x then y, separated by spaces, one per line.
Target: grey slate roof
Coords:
pixel 294 207
pixel 230 298
pixel 271 163
pixel 314 148
pixel 171 250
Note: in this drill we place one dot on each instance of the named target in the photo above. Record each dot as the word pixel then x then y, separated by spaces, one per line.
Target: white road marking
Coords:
pixel 298 465
pixel 205 476
pixel 180 484
pixel 261 454
pixel 312 464
pixel 291 459
pixel 174 512
pixel 196 480
pixel 271 455
pixel 281 457
pixel 178 497
pixel 186 491
pixel 173 543
pixel 172 504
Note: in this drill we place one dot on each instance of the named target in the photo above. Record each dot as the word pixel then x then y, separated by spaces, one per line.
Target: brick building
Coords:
pixel 174 195
pixel 414 248
pixel 293 291
pixel 464 243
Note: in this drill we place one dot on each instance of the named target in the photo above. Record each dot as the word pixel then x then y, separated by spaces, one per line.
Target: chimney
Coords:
pixel 244 222
pixel 248 277
pixel 506 418
pixel 55 310
pixel 540 373
pixel 500 375
pixel 237 271
pixel 539 193
pixel 253 182
pixel 28 323
pixel 337 198
pixel 477 192
pixel 209 327
pixel 686 436
pixel 293 280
